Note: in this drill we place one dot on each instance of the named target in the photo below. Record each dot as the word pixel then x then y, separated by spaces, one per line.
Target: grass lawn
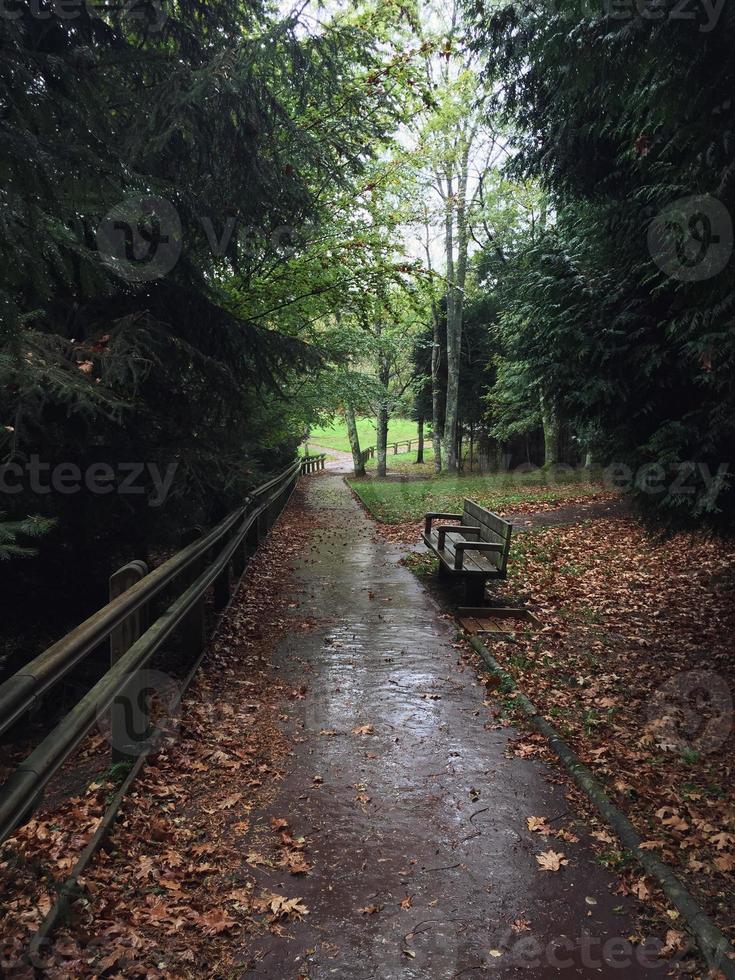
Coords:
pixel 405 463
pixel 334 436
pixel 397 502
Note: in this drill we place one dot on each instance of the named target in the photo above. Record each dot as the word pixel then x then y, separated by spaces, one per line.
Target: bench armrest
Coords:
pixel 462 546
pixel 428 518
pixel 442 529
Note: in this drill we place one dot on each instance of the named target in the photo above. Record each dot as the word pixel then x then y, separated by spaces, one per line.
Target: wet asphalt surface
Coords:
pixel 425 808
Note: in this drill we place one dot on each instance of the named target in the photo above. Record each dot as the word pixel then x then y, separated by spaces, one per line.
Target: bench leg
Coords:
pixel 474 590
pixel 443 571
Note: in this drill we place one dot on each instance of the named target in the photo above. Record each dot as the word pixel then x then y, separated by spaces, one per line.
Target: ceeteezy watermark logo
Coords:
pixel 148 706
pixel 692 239
pixel 585 954
pixel 148 14
pixel 140 239
pixel 704 13
pixel 125 479
pixel 692 711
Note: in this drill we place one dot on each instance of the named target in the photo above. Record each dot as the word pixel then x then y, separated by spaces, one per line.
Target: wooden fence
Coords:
pixel 313 464
pixel 208 560
pixel 371 451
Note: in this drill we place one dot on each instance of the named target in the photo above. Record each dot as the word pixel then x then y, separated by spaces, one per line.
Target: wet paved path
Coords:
pixel 423 808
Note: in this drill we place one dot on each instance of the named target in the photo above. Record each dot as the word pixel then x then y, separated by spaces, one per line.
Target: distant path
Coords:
pixel 337 461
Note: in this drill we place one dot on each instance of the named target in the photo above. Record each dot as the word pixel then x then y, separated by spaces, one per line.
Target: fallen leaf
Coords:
pixel 725 862
pixel 216 921
pixel 551 860
pixel 641 889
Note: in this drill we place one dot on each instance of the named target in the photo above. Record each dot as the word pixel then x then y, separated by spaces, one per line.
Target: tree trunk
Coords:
pixel 454 339
pixel 456 276
pixel 552 430
pixel 483 451
pixel 357 461
pixel 472 442
pixel 436 396
pixel 382 440
pixel 420 451
pixel 436 357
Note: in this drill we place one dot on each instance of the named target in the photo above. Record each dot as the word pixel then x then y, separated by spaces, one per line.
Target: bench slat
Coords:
pixel 480 515
pixel 494 528
pixel 473 563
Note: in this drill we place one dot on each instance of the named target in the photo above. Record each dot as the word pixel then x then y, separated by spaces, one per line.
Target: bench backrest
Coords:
pixel 493 529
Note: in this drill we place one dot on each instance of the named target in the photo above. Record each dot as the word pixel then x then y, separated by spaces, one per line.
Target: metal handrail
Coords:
pixel 20 791
pixel 20 692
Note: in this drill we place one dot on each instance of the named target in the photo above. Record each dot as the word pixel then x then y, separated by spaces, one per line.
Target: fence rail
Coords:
pixel 207 561
pixel 312 464
pixel 371 451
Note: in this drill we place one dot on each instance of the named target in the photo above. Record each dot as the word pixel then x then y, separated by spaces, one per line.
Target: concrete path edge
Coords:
pixel 714 944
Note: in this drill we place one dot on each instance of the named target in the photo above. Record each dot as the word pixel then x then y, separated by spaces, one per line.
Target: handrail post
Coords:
pixel 240 559
pixel 129 723
pixel 192 625
pixel 222 588
pixel 252 537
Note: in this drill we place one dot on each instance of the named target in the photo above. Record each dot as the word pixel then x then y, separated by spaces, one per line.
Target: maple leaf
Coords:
pixel 567 835
pixel 538 825
pixel 521 925
pixel 725 862
pixel 551 860
pixel 722 840
pixel 277 823
pixel 603 836
pixel 240 895
pixel 641 889
pixel 216 921
pixel 675 822
pixel 363 730
pixel 407 902
pixel 674 942
pixel 283 907
pixel 369 910
pixel 296 863
pixel 231 801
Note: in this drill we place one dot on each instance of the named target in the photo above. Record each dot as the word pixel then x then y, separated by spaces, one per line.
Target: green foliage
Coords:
pixel 395 502
pixel 239 118
pixel 642 362
pixel 11 531
pixel 333 435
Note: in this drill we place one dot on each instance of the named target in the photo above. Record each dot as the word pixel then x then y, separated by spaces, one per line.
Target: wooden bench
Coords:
pixel 476 550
